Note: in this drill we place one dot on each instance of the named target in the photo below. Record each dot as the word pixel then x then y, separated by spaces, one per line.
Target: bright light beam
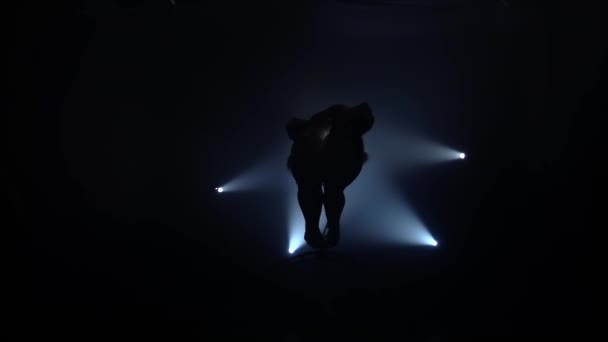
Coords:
pixel 394 146
pixel 388 219
pixel 264 174
pixel 295 221
pixel 462 155
pixel 429 240
pixel 220 189
pixel 252 178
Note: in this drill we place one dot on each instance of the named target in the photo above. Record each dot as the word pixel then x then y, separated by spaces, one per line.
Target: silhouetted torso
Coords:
pixel 331 137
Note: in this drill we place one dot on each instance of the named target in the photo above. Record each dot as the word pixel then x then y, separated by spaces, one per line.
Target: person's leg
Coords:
pixel 310 199
pixel 334 200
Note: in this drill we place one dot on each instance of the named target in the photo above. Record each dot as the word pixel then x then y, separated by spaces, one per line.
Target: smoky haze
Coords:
pixel 133 112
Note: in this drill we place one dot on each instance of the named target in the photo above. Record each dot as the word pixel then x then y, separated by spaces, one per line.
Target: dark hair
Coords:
pixel 363 117
pixel 295 128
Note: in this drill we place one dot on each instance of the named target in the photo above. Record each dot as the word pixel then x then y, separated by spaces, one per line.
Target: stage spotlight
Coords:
pixel 294 243
pixel 393 218
pixel 295 221
pixel 264 174
pixel 428 240
pixel 415 149
pixel 220 189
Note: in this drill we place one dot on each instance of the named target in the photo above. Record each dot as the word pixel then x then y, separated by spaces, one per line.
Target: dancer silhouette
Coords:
pixel 327 155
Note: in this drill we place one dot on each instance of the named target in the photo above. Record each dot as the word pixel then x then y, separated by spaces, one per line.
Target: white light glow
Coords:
pixel 393 219
pixel 296 242
pixel 424 236
pixel 262 175
pixel 220 189
pixel 295 221
pixel 414 149
pixel 462 155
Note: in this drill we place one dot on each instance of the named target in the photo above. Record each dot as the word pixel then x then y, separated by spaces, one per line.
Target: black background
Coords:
pixel 128 114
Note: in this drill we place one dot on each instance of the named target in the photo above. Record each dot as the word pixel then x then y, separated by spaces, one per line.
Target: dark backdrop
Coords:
pixel 129 113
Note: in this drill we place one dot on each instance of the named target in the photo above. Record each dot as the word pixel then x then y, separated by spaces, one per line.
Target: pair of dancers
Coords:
pixel 327 155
